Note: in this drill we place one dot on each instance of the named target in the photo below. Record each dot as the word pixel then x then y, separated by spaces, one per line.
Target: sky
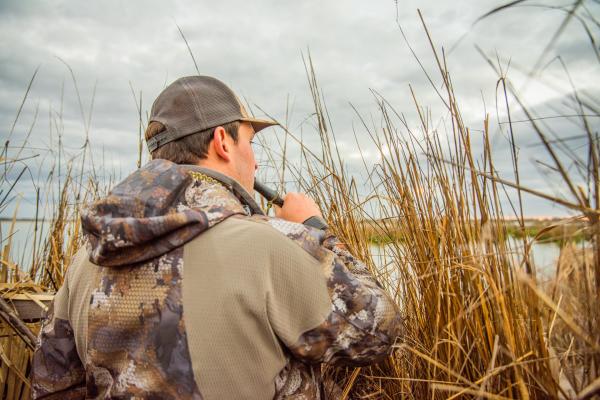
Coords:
pixel 111 51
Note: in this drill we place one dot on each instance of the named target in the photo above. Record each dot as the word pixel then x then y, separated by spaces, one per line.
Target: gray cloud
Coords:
pixel 256 48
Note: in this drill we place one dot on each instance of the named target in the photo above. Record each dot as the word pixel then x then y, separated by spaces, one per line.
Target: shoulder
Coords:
pixel 77 264
pixel 287 234
pixel 264 245
pixel 81 272
pixel 271 234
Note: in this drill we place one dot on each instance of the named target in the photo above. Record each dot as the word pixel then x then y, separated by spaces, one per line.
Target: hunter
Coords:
pixel 187 290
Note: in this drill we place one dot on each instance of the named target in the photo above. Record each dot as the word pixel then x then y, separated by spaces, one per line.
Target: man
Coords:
pixel 187 290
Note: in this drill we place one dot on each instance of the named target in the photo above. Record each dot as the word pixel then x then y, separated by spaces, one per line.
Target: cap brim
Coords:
pixel 259 124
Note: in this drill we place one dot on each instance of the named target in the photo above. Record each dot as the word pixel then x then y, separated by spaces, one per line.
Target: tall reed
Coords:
pixel 477 324
pixel 61 187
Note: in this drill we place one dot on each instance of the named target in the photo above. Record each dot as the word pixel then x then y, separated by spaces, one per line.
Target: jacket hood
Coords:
pixel 158 208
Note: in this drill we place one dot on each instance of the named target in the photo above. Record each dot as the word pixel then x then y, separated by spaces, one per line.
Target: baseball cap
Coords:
pixel 194 103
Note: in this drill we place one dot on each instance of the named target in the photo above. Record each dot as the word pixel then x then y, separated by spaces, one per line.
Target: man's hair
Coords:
pixel 189 149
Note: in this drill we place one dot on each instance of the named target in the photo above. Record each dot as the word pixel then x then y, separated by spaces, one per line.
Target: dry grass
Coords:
pixel 54 240
pixel 476 325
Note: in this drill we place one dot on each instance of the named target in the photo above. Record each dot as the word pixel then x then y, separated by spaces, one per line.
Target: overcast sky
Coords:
pixel 256 46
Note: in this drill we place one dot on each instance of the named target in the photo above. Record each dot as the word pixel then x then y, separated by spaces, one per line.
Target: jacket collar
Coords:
pixel 233 186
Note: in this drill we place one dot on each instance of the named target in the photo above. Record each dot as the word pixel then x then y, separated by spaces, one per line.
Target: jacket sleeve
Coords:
pixel 362 321
pixel 57 371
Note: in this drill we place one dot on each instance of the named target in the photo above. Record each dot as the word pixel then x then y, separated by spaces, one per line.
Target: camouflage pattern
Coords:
pixel 56 367
pixel 298 381
pixel 301 381
pixel 137 343
pixel 162 200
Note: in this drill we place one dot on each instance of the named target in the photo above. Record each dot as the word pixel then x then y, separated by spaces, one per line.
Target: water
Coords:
pixel 21 249
pixel 543 255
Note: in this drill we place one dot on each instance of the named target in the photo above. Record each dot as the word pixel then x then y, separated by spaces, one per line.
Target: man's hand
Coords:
pixel 297 207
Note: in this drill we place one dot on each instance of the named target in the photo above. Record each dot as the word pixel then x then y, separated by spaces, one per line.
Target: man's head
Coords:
pixel 199 120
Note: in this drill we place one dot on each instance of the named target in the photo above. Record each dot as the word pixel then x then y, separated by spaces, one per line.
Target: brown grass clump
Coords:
pixel 27 290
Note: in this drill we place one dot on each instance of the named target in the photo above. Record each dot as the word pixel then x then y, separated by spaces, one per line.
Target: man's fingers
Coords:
pixel 298 207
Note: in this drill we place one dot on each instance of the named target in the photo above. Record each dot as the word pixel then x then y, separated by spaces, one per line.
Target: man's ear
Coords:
pixel 220 144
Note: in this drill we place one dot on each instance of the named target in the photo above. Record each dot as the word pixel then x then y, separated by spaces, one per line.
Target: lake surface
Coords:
pixel 22 239
pixel 543 255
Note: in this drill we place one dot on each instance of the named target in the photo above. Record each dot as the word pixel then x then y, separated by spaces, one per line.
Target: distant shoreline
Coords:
pixel 25 220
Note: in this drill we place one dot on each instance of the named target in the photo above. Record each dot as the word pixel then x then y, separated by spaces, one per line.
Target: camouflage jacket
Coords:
pixel 118 328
